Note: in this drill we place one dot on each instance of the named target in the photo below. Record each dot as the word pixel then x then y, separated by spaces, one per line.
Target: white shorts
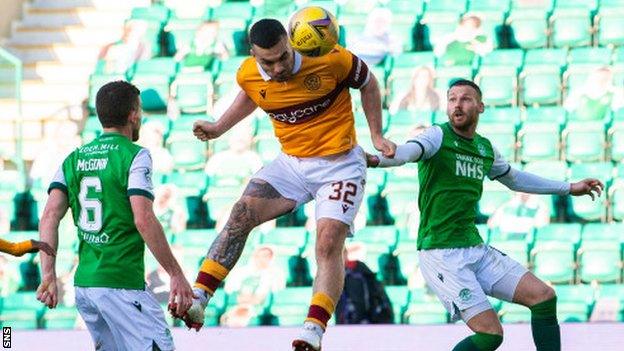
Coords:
pixel 462 277
pixel 123 319
pixel 335 182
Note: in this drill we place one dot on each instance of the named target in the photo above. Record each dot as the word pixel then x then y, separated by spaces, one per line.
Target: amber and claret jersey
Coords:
pixel 311 112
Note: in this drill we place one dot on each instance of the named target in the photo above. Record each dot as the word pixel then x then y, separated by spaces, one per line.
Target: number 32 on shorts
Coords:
pixel 344 191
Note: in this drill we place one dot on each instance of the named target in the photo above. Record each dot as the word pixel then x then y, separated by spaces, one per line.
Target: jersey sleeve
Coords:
pixel 430 142
pixel 349 68
pixel 140 175
pixel 500 167
pixel 58 181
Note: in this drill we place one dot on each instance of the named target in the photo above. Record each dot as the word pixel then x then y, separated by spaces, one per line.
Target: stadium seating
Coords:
pixel 543 51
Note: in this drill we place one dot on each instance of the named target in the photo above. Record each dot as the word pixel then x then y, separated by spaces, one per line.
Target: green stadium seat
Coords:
pixel 154 91
pixel 553 252
pixel 489 5
pixel 444 75
pixel 616 199
pixel 494 195
pixel 187 153
pixel 182 127
pixel 587 5
pixel 164 66
pixel 379 239
pixel 193 91
pixel 398 297
pixel 499 85
pixel 447 6
pixel 290 305
pixel 505 57
pixel 510 115
pixel 411 8
pixel 180 33
pixel 583 206
pixel 545 6
pixel 529 28
pixel 515 249
pixel 571 27
pixel 439 24
pixel 221 199
pixel 200 238
pixel 575 140
pixel 406 62
pixel 540 85
pixel 557 170
pixel 610 26
pixel 290 240
pixel 268 148
pixel 599 261
pixel 590 55
pixel 403 122
pixel 61 317
pixel 549 57
pixel 503 137
pixel 408 257
pixel 554 261
pixel 573 302
pixel 616 142
pixel 21 310
pixel 538 141
pixel 158 13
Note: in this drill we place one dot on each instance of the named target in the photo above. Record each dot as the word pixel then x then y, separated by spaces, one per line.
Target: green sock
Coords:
pixel 480 342
pixel 544 325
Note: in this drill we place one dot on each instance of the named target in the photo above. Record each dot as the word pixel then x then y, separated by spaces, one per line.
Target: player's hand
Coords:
pixel 372 161
pixel 206 130
pixel 47 292
pixel 590 186
pixel 43 246
pixel 180 295
pixel 387 147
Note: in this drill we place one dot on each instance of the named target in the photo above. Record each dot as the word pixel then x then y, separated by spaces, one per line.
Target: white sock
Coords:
pixel 314 327
pixel 202 294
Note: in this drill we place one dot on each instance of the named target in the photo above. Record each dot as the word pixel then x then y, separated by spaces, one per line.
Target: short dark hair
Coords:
pixel 114 102
pixel 460 81
pixel 266 33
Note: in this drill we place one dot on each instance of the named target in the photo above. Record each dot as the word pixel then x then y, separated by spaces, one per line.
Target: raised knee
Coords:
pixel 244 215
pixel 549 294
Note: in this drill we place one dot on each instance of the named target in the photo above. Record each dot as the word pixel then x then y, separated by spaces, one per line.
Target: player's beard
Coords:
pixel 465 122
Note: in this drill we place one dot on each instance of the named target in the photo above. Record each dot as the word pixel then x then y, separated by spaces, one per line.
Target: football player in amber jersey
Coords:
pixel 309 104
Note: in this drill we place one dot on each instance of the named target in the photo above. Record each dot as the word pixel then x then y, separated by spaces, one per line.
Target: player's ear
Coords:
pixel 481 107
pixel 251 52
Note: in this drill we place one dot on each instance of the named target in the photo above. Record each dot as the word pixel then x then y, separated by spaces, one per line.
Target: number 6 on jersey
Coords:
pixel 90 219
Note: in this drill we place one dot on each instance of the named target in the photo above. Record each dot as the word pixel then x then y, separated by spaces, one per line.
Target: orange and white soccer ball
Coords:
pixel 313 31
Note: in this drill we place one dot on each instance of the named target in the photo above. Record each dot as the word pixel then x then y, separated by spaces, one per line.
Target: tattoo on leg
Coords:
pixel 261 190
pixel 229 244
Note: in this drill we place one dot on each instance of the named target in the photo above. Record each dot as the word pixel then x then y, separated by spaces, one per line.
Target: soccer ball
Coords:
pixel 313 31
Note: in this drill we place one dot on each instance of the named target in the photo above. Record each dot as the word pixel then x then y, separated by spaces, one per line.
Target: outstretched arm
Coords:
pixel 242 107
pixel 371 103
pixel 530 183
pixel 55 209
pixel 423 146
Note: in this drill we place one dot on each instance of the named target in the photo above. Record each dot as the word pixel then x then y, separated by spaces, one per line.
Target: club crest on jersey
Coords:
pixel 312 82
pixel 263 93
pixel 481 149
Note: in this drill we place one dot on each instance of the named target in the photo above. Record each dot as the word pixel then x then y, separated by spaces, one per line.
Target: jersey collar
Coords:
pixel 296 67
